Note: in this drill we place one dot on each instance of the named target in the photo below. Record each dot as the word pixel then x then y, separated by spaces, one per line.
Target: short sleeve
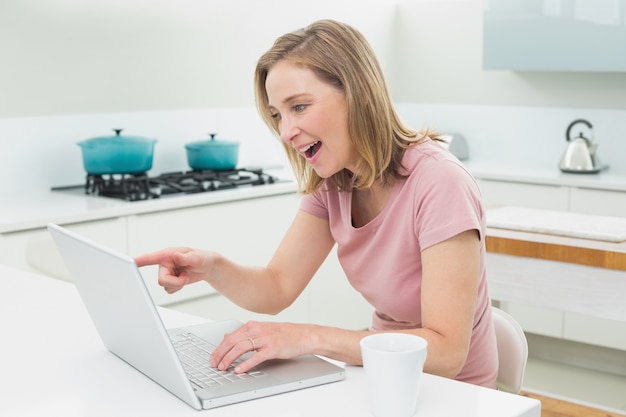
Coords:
pixel 315 204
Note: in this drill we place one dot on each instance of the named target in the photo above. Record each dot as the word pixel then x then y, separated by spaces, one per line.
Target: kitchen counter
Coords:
pixel 559 236
pixel 605 180
pixel 35 210
pixel 564 273
pixel 79 377
pixel 26 211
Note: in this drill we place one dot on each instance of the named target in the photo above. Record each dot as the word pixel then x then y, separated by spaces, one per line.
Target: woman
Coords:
pixel 406 217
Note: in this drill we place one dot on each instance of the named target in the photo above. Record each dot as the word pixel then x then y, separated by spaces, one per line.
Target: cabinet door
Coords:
pixel 532 318
pixel 592 330
pixel 217 307
pixel 513 281
pixel 595 331
pixel 334 302
pixel 598 202
pixel 540 196
pixel 246 231
pixel 537 320
pixel 34 250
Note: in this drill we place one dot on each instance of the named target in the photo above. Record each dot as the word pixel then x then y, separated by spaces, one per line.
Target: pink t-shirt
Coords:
pixel 437 201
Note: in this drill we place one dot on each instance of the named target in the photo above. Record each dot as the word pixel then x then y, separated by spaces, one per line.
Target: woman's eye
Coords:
pixel 275 116
pixel 299 107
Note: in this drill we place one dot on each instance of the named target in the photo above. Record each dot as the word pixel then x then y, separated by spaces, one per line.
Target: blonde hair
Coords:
pixel 340 55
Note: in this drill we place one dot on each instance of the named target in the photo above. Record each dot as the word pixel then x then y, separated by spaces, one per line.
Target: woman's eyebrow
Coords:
pixel 289 99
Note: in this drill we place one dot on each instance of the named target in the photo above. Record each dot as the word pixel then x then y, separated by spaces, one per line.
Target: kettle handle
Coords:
pixel 575 122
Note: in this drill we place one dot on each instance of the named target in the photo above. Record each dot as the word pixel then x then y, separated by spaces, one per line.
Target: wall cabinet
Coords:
pixel 549 36
pixel 546 321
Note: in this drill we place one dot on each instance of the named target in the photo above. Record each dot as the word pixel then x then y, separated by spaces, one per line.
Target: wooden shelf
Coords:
pixel 604 258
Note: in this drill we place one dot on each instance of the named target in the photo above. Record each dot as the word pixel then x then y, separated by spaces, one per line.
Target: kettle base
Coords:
pixel 584 171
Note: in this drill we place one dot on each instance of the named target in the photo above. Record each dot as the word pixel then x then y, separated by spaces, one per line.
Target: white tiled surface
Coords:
pixel 596 389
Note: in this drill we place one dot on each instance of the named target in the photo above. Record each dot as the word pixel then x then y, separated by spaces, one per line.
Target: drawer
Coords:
pixel 598 202
pixel 506 193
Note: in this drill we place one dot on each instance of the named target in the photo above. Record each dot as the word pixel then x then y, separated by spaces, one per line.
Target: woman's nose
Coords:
pixel 288 131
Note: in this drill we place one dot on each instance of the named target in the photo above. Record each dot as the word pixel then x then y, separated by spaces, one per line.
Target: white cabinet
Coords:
pixel 598 202
pixel 537 320
pixel 335 302
pixel 608 333
pixel 551 322
pixel 247 232
pixel 549 35
pixel 217 307
pixel 497 193
pixel 587 329
pixel 34 250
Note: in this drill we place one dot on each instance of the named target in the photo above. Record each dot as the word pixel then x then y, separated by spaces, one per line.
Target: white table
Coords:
pixel 52 362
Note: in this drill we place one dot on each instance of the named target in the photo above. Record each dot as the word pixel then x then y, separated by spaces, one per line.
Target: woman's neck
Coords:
pixel 369 203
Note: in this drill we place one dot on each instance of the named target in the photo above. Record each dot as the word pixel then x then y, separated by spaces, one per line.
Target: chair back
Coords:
pixel 512 351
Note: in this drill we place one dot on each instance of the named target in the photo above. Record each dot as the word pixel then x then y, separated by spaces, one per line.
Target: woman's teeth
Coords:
pixel 310 150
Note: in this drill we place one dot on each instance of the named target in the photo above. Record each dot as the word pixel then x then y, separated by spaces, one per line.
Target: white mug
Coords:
pixel 393 364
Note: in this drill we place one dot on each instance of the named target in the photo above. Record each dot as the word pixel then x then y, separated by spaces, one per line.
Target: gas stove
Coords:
pixel 139 187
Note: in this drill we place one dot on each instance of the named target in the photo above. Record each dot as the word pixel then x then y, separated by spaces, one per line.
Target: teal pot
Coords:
pixel 118 154
pixel 212 154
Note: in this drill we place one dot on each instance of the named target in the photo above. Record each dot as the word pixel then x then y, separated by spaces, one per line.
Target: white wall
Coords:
pixel 176 70
pixel 101 56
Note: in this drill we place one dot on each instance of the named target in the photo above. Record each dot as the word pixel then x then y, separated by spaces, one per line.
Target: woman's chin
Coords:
pixel 322 174
pixel 325 173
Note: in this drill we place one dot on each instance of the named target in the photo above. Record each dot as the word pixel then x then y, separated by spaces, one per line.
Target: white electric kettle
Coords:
pixel 580 155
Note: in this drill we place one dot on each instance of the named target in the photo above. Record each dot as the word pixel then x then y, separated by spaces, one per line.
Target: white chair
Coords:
pixel 512 351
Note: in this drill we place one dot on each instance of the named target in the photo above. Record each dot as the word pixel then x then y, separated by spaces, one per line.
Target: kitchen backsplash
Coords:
pixel 39 153
pixel 524 137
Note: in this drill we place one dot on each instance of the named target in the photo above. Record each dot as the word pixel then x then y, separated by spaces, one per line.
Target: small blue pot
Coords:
pixel 212 154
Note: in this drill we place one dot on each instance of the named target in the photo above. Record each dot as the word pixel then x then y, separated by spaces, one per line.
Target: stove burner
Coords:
pixel 131 187
pixel 136 187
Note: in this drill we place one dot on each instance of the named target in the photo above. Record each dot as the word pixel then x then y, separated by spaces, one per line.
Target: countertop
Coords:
pixel 69 372
pixel 609 179
pixel 565 273
pixel 35 210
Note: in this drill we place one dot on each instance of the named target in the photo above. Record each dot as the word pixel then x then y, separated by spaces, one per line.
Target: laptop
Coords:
pixel 120 306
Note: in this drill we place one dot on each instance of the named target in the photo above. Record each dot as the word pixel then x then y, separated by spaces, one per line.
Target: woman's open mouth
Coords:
pixel 312 149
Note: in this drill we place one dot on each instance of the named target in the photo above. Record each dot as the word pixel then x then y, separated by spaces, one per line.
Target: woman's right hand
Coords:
pixel 179 266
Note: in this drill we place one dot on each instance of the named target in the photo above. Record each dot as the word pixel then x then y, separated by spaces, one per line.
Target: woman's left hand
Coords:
pixel 268 340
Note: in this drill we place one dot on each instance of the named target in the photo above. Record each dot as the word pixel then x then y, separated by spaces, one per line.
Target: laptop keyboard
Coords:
pixel 194 354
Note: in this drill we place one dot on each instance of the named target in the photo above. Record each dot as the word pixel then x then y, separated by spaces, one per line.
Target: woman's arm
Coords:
pixel 450 278
pixel 273 288
pixel 449 294
pixel 267 289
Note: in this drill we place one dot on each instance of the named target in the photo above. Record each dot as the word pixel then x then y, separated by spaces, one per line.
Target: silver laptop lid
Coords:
pixel 110 285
